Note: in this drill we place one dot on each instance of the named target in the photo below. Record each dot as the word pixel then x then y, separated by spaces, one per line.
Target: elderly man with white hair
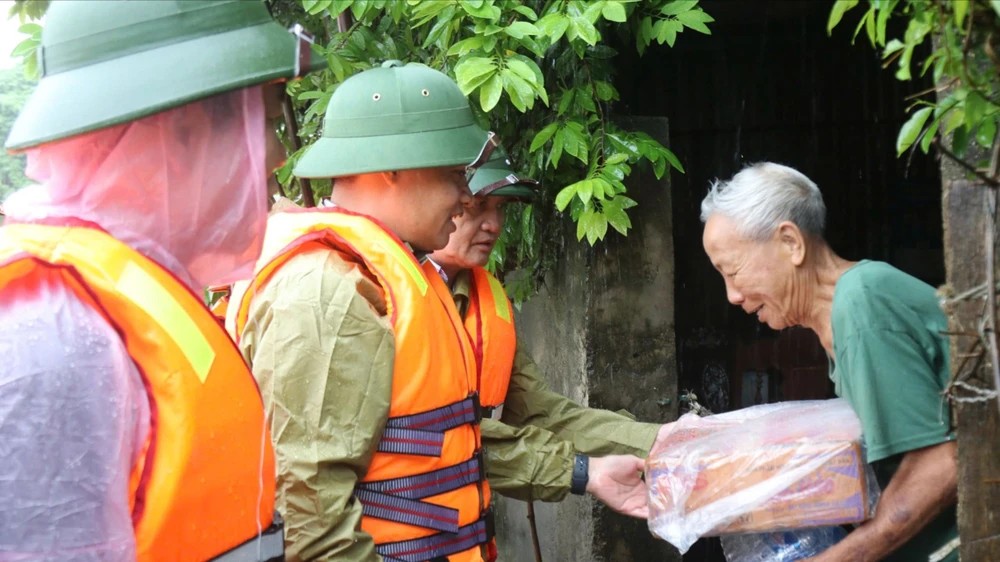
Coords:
pixel 882 331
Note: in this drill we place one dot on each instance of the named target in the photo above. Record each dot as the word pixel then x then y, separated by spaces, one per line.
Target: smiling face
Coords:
pixel 761 277
pixel 476 233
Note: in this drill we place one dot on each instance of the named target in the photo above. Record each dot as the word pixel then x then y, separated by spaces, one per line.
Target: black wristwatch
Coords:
pixel 578 485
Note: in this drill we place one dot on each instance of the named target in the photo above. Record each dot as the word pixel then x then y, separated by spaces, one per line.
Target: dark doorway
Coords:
pixel 769 84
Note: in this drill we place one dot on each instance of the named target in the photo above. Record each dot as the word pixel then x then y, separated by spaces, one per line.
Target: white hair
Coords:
pixel 764 195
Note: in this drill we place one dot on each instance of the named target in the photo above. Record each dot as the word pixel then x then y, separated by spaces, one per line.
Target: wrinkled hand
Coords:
pixel 661 438
pixel 616 480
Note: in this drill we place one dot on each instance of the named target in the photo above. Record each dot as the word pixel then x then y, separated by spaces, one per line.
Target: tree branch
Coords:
pixel 990 181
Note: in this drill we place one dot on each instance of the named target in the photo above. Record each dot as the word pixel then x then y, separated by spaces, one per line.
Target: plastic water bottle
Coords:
pixel 782 546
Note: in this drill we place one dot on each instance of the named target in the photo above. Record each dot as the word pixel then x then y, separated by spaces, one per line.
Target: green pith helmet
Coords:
pixel 496 178
pixel 105 63
pixel 397 117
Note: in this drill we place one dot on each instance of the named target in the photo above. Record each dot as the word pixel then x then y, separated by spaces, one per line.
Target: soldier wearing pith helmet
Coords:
pixel 131 428
pixel 368 376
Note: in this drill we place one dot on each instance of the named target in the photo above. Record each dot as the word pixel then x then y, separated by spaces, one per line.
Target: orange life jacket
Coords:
pixel 424 495
pixel 489 321
pixel 201 487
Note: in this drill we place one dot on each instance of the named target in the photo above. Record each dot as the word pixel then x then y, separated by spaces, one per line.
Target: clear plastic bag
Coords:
pixel 781 546
pixel 773 467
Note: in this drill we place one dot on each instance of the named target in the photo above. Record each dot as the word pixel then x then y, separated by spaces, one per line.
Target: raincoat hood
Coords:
pixel 186 187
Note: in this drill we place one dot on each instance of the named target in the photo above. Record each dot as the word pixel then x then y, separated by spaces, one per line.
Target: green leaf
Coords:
pixel 672 158
pixel 928 137
pixel 975 109
pixel 956 118
pixel 996 6
pixel 586 30
pixel 30 29
pixel 613 11
pixel 617 217
pixel 696 20
pixel 526 12
pixel 358 8
pixel 477 9
pixel 565 195
pixel 310 95
pixel 840 7
pixel 522 95
pixel 870 26
pixel 605 91
pixel 646 30
pixel 553 26
pixel 892 47
pixel 575 141
pixel 565 101
pixel 659 167
pixel 602 188
pixel 960 141
pixel 543 136
pixel 881 22
pixel 520 29
pixel 677 7
pixel 473 71
pixel 523 70
pixel 986 132
pixel 616 158
pixel 585 190
pixel 911 130
pixel 25 47
pixel 489 92
pixel 668 31
pixel 595 225
pixel 465 46
pixel 557 147
pixel 593 11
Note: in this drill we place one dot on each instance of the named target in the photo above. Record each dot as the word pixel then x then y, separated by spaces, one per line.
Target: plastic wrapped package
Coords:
pixel 781 546
pixel 774 467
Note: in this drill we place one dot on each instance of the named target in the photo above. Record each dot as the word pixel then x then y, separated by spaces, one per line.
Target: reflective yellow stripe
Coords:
pixel 142 289
pixel 499 298
pixel 415 272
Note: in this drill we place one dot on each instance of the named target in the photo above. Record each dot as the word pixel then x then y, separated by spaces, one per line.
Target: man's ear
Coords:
pixel 792 242
pixel 390 178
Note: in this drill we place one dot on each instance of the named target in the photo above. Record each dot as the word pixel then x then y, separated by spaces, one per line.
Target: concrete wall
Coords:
pixel 602 330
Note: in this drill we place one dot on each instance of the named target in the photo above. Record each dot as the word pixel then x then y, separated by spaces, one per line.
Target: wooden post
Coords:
pixel 977 422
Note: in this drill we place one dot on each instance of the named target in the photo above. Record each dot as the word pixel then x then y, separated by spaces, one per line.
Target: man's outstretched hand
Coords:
pixel 616 480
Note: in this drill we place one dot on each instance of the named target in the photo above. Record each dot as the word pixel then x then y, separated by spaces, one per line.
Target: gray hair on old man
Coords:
pixel 764 195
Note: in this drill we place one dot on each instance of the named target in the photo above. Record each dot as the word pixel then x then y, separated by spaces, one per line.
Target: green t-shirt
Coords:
pixel 891 364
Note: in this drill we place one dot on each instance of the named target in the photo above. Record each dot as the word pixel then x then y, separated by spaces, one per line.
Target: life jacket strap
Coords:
pixel 441 545
pixel 442 419
pixel 419 486
pixel 407 511
pixel 423 434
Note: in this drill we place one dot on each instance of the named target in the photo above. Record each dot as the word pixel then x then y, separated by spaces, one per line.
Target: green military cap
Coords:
pixel 496 178
pixel 396 117
pixel 103 63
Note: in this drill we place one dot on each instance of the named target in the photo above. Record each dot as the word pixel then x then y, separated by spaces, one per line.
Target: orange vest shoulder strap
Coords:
pixel 490 324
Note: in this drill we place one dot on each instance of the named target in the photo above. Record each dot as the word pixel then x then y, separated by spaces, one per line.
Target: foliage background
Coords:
pixel 14 91
pixel 538 72
pixel 962 107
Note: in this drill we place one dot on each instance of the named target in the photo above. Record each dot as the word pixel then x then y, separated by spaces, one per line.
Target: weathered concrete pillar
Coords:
pixel 602 331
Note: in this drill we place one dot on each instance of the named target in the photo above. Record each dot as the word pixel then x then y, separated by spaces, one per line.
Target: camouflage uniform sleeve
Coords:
pixel 592 431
